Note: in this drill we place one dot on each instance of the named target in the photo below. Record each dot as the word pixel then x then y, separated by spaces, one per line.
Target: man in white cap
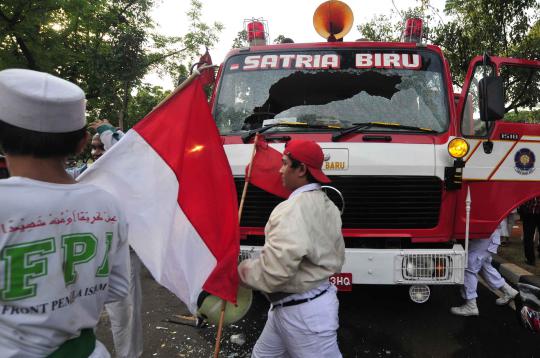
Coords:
pixel 63 244
pixel 303 248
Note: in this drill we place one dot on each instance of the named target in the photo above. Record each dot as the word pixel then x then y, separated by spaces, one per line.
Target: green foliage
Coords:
pixel 532 116
pixel 146 98
pixel 199 36
pixel 240 40
pixel 500 28
pixel 105 46
pixel 380 28
pixel 388 28
pixel 98 45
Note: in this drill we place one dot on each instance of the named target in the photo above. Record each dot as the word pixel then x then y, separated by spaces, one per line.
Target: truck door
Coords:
pixel 501 168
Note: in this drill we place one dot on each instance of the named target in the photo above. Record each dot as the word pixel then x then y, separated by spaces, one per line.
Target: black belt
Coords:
pixel 298 302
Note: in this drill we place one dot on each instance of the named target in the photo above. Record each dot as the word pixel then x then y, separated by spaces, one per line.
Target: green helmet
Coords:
pixel 210 307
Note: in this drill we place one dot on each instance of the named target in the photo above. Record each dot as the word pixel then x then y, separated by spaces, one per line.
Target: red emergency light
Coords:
pixel 257 31
pixel 413 30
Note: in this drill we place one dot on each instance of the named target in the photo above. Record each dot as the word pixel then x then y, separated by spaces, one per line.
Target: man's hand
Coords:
pixel 97 123
pixel 242 273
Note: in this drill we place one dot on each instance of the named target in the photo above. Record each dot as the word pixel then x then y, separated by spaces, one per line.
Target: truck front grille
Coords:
pixel 371 202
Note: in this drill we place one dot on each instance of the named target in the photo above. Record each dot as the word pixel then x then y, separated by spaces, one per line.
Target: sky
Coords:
pixel 291 18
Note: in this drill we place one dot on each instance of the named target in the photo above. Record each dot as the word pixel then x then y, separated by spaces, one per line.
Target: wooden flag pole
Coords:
pixel 240 207
pixel 220 328
pixel 248 176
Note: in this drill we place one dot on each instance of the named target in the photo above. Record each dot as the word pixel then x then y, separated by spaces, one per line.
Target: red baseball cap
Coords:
pixel 309 153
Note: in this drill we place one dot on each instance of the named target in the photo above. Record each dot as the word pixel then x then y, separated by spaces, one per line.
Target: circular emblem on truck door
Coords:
pixel 524 160
pixel 336 196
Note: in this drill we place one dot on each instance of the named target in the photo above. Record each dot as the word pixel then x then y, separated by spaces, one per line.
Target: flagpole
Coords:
pixel 467 224
pixel 248 176
pixel 181 86
pixel 220 328
pixel 240 207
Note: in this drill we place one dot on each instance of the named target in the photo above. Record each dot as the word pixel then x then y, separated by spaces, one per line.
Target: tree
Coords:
pixel 388 28
pixel 282 39
pixel 98 45
pixel 105 46
pixel 146 98
pixel 474 27
pixel 380 28
pixel 198 37
pixel 240 40
pixel 501 28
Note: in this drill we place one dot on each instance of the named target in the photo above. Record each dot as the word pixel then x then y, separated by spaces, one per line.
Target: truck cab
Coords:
pixel 409 168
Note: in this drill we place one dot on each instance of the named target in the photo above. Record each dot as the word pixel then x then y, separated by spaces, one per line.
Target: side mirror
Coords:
pixel 491 98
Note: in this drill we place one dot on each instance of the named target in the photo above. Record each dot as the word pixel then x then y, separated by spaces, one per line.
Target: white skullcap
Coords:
pixel 40 102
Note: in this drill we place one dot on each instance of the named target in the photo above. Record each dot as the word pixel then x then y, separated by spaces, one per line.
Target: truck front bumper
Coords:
pixel 399 267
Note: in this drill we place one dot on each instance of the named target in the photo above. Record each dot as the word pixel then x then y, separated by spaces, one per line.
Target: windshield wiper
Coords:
pixel 359 126
pixel 247 136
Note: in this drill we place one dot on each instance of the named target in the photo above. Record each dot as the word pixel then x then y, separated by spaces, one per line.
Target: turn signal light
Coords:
pixel 458 148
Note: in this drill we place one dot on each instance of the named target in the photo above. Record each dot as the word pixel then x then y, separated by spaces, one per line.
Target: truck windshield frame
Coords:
pixel 333 87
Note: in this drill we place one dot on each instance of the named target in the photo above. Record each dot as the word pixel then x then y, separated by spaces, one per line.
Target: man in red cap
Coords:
pixel 303 248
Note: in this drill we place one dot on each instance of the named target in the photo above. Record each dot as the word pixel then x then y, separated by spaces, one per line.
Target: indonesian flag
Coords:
pixel 265 172
pixel 173 182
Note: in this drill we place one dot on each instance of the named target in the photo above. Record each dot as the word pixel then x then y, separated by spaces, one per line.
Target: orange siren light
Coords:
pixel 333 19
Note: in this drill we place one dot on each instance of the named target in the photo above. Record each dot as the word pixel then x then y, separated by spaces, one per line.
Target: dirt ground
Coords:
pixel 165 339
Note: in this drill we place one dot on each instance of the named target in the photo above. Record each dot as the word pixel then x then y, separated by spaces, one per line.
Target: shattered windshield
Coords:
pixel 334 87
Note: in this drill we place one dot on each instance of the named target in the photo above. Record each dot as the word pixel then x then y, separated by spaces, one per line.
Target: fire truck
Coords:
pixel 417 170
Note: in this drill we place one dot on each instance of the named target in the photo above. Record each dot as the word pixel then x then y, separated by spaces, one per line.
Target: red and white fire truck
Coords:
pixel 402 149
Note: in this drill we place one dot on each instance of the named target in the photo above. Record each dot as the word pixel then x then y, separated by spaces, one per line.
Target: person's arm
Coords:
pixel 108 134
pixel 119 273
pixel 285 247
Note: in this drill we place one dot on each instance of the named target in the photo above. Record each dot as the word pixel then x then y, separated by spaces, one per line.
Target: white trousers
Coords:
pixel 125 316
pixel 306 330
pixel 479 262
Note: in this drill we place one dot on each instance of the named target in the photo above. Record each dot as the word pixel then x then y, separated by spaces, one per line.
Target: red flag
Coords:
pixel 208 75
pixel 172 176
pixel 265 173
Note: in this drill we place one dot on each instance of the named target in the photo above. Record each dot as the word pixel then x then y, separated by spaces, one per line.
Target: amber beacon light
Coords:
pixel 458 148
pixel 333 20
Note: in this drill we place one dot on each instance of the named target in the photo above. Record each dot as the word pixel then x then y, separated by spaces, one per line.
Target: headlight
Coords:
pixel 419 266
pixel 458 148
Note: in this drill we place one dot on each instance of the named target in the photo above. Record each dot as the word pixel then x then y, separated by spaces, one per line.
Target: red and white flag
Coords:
pixel 265 169
pixel 172 179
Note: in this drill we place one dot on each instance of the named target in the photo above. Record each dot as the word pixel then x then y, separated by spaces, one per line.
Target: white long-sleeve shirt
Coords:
pixel 63 255
pixel 304 245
